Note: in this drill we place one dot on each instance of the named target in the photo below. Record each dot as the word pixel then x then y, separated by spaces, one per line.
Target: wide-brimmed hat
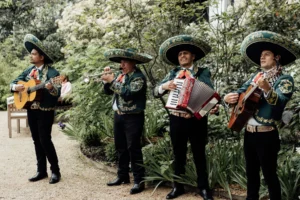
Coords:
pixel 255 43
pixel 116 55
pixel 32 42
pixel 170 48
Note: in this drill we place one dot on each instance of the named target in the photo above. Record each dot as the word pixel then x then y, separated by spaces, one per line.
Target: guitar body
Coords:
pixel 244 109
pixel 24 99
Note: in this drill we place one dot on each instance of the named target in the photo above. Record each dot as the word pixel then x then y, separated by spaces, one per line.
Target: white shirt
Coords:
pixel 66 88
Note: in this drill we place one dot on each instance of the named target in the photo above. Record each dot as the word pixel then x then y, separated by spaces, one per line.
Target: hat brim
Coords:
pixel 255 43
pixel 170 48
pixel 173 52
pixel 117 55
pixel 32 42
pixel 254 52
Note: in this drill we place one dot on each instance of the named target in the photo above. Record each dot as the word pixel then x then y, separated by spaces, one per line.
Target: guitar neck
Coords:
pixel 251 91
pixel 37 87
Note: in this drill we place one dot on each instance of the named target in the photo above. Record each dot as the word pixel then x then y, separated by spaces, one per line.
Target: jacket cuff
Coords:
pixel 54 91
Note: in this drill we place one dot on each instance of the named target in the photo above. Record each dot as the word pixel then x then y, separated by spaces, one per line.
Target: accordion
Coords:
pixel 193 96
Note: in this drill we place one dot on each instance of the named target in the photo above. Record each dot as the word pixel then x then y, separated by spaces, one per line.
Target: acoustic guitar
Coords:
pixel 32 91
pixel 247 104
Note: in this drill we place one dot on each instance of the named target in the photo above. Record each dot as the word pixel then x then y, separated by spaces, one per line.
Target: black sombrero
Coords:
pixel 255 43
pixel 116 55
pixel 170 48
pixel 32 42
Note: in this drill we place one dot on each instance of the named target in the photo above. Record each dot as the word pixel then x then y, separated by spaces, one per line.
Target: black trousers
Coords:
pixel 40 123
pixel 261 151
pixel 128 129
pixel 181 131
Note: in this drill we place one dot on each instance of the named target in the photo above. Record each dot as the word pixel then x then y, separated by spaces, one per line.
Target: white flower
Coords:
pixel 298 150
pixel 101 23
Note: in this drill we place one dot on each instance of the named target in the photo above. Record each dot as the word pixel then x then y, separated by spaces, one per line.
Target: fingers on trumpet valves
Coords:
pixel 107 69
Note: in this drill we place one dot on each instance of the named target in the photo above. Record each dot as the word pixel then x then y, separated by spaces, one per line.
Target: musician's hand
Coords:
pixel 263 84
pixel 170 85
pixel 19 87
pixel 231 98
pixel 108 77
pixel 214 110
pixel 49 86
pixel 107 69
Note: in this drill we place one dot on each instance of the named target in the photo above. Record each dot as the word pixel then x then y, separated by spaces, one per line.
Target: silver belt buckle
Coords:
pixel 251 128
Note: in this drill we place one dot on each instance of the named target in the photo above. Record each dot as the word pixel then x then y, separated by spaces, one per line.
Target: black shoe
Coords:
pixel 38 176
pixel 206 194
pixel 137 188
pixel 118 181
pixel 55 178
pixel 175 192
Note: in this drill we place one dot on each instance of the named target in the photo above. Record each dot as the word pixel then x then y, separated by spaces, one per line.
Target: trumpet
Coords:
pixel 96 77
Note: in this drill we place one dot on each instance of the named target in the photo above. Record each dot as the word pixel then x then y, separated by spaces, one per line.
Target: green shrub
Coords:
pixel 110 152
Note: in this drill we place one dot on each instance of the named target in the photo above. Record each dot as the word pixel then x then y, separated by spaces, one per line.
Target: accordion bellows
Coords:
pixel 193 96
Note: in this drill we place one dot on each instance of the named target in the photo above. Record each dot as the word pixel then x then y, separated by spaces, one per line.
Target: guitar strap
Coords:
pixel 260 74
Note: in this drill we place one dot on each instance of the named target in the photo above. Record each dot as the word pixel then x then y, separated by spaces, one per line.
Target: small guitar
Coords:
pixel 32 91
pixel 247 104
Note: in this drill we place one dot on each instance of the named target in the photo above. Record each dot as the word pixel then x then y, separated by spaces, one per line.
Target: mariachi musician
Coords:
pixel 41 114
pixel 182 51
pixel 270 51
pixel 129 89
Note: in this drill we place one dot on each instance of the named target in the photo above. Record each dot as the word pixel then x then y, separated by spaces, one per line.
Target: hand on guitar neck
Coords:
pixel 49 86
pixel 263 84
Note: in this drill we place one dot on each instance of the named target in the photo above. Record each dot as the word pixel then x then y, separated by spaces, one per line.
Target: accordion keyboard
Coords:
pixel 174 95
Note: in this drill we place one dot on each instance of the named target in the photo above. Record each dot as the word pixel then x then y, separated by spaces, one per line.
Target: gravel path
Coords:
pixel 81 178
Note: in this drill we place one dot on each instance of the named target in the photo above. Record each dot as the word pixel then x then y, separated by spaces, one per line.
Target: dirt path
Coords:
pixel 81 178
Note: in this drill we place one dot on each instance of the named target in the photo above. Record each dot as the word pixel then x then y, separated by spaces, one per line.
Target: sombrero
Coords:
pixel 32 42
pixel 170 48
pixel 116 55
pixel 256 42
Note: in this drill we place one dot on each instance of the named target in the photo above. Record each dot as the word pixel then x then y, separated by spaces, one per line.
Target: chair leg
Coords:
pixel 18 126
pixel 9 128
pixel 8 118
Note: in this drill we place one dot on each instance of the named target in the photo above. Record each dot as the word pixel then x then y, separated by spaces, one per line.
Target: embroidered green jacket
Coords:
pixel 203 74
pixel 129 95
pixel 49 99
pixel 270 108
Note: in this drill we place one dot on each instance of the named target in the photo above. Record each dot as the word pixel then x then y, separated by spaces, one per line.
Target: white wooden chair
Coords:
pixel 14 113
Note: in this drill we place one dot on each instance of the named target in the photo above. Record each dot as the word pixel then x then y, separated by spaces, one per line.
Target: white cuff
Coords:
pixel 13 87
pixel 160 90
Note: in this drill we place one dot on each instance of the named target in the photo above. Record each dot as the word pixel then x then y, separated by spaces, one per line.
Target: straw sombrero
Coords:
pixel 32 42
pixel 116 55
pixel 255 43
pixel 170 48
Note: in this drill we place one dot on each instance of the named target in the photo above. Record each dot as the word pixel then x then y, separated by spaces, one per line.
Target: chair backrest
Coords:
pixel 11 105
pixel 14 113
pixel 10 100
